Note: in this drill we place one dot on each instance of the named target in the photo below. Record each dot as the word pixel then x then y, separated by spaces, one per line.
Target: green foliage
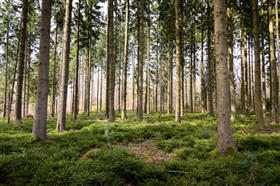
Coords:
pixel 94 152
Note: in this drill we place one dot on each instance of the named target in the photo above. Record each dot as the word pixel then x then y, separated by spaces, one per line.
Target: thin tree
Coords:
pixel 178 27
pixel 54 80
pixel 40 117
pixel 273 74
pixel 61 117
pixel 140 60
pixel 258 89
pixel 126 38
pixel 225 137
pixel 23 33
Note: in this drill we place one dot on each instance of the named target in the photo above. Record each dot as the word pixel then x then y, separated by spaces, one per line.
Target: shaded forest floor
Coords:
pixel 157 151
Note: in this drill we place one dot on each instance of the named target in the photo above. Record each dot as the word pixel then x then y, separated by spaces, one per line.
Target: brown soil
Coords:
pixel 148 152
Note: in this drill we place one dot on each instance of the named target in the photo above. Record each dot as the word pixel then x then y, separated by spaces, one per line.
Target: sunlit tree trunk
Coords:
pixel 6 70
pixel 170 75
pixel 273 74
pixel 18 104
pixel 258 91
pixel 178 27
pixel 40 118
pixel 230 61
pixel 61 117
pixel 225 137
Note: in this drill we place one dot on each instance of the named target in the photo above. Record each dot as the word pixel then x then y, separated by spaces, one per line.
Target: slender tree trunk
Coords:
pixel 178 27
pixel 133 83
pixel 6 70
pixel 111 61
pixel 209 65
pixel 61 117
pixel 225 137
pixel 230 61
pixel 258 90
pixel 273 75
pixel 148 92
pixel 54 80
pixel 18 104
pixel 140 60
pixel 101 90
pixel 277 48
pixel 40 118
pixel 170 75
pixel 87 79
pixel 76 87
pixel 245 67
pixel 191 74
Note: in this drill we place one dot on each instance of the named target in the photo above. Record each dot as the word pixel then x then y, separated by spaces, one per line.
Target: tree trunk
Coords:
pixel 148 91
pixel 54 80
pixel 76 87
pixel 209 64
pixel 230 61
pixel 258 90
pixel 40 118
pixel 18 104
pixel 277 48
pixel 273 75
pixel 61 117
pixel 178 27
pixel 6 70
pixel 170 75
pixel 111 62
pixel 140 60
pixel 225 138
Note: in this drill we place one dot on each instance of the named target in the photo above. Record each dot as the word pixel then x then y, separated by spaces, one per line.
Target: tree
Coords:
pixel 61 118
pixel 140 59
pixel 258 90
pixel 126 37
pixel 273 73
pixel 40 118
pixel 18 105
pixel 225 138
pixel 178 26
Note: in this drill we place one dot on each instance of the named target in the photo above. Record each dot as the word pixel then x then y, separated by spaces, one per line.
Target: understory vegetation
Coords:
pixel 95 152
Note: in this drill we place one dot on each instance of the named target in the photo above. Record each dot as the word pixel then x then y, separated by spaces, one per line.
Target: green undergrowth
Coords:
pixel 93 151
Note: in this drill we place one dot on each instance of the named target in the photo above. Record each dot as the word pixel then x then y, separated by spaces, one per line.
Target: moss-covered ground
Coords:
pixel 156 151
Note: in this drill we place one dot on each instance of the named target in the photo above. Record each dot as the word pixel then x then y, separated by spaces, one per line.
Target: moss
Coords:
pixel 214 152
pixel 229 152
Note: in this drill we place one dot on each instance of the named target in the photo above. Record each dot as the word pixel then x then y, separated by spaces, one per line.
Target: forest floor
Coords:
pixel 156 151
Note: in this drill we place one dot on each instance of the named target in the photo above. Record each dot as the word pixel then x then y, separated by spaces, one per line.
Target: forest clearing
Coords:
pixel 156 151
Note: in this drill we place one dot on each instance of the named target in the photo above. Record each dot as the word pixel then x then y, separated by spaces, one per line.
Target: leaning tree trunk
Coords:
pixel 61 117
pixel 225 137
pixel 18 104
pixel 258 89
pixel 40 119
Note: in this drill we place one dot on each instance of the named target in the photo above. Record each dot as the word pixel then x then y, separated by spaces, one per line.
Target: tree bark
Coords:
pixel 225 138
pixel 178 27
pixel 18 104
pixel 258 91
pixel 40 118
pixel 140 60
pixel 61 118
pixel 170 75
pixel 273 75
pixel 54 80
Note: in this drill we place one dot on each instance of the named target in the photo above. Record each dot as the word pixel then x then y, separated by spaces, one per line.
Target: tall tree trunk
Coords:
pixel 54 80
pixel 178 27
pixel 40 118
pixel 76 87
pixel 230 61
pixel 277 48
pixel 245 67
pixel 258 90
pixel 225 137
pixel 101 89
pixel 133 83
pixel 61 117
pixel 209 64
pixel 18 104
pixel 140 60
pixel 170 75
pixel 191 73
pixel 97 89
pixel 87 79
pixel 273 74
pixel 148 91
pixel 6 70
pixel 111 62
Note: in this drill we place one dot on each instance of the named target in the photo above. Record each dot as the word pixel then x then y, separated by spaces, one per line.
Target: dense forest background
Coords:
pixel 125 92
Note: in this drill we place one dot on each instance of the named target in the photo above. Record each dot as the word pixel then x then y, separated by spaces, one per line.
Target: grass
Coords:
pixel 94 152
